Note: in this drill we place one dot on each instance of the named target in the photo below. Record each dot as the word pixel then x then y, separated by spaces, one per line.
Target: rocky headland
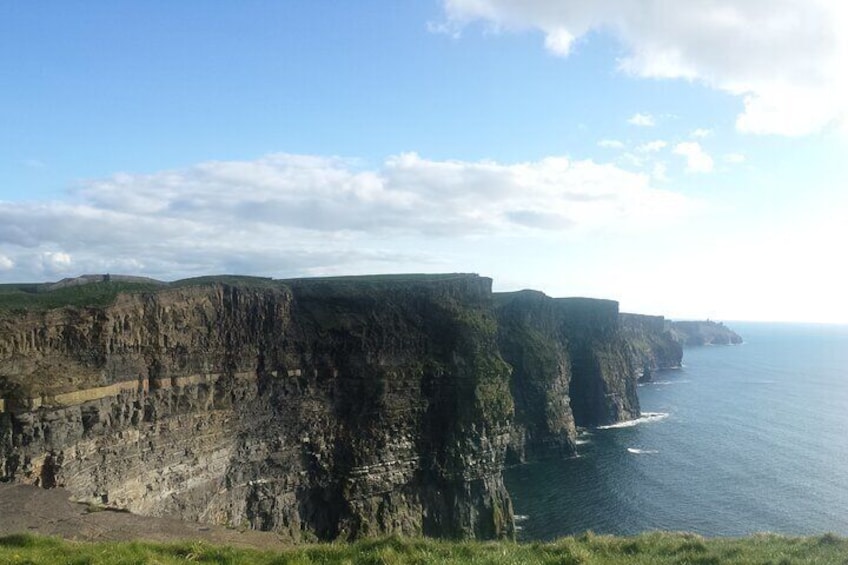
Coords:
pixel 696 333
pixel 315 408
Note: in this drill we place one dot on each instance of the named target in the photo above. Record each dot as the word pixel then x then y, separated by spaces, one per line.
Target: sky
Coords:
pixel 688 159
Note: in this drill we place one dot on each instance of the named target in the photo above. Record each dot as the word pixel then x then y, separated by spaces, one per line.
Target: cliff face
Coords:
pixel 532 340
pixel 319 408
pixel 652 345
pixel 316 408
pixel 572 366
pixel 603 388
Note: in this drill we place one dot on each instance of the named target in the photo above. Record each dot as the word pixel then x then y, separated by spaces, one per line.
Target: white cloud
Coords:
pixel 53 263
pixel 294 214
pixel 660 171
pixel 611 144
pixel 633 160
pixel 784 58
pixel 697 160
pixel 652 146
pixel 702 132
pixel 734 158
pixel 644 120
pixel 6 264
pixel 559 41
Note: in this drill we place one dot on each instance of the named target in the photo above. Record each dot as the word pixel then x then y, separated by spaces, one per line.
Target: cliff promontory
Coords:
pixel 695 333
pixel 316 408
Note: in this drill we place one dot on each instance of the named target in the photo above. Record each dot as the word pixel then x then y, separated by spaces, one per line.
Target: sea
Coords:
pixel 742 439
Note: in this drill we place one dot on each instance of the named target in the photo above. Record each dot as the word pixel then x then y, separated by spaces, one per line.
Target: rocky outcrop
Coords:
pixel 694 333
pixel 318 409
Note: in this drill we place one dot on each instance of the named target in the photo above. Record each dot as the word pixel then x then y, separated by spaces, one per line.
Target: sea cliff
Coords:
pixel 695 333
pixel 316 408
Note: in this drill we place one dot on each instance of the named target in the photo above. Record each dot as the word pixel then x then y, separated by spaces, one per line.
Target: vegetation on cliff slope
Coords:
pixel 102 290
pixel 652 548
pixel 38 297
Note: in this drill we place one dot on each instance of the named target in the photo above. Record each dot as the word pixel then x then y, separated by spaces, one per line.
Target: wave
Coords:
pixel 646 417
pixel 641 451
pixel 521 517
pixel 663 383
pixel 582 441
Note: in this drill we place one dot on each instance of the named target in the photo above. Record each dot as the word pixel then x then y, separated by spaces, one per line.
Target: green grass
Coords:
pixel 35 297
pixel 232 280
pixel 26 297
pixel 647 549
pixel 29 297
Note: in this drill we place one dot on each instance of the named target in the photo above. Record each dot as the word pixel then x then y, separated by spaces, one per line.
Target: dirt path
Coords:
pixel 25 508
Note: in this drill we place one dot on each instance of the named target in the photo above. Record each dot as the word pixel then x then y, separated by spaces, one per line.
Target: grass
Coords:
pixel 27 297
pixel 657 548
pixel 33 297
pixel 37 297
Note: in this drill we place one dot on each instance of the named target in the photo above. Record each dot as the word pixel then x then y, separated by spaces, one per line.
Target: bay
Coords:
pixel 742 439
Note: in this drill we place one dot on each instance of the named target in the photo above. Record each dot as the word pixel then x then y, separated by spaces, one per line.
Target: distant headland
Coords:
pixel 695 333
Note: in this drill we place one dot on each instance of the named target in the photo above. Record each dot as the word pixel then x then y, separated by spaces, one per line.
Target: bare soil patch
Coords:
pixel 25 508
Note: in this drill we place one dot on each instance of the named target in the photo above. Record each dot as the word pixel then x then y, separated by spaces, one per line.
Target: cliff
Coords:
pixel 316 408
pixel 319 409
pixel 652 344
pixel 575 362
pixel 695 333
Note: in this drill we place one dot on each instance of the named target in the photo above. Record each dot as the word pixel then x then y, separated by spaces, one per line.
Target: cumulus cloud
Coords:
pixel 6 264
pixel 643 120
pixel 702 132
pixel 54 262
pixel 734 158
pixel 294 214
pixel 697 160
pixel 783 58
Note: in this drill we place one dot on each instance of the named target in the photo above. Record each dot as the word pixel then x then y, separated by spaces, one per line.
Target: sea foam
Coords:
pixel 641 451
pixel 646 417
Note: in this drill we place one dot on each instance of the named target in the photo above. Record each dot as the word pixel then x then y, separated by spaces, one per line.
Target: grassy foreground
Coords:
pixel 650 549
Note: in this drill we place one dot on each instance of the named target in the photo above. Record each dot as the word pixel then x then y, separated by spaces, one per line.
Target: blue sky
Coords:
pixel 687 161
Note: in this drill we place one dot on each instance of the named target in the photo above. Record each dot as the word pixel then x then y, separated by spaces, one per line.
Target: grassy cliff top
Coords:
pixel 647 549
pixel 102 290
pixel 38 297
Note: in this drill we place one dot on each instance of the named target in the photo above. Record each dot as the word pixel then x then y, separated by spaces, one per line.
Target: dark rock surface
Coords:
pixel 314 408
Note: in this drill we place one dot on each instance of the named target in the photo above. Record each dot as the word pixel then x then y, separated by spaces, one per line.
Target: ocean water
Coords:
pixel 742 439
